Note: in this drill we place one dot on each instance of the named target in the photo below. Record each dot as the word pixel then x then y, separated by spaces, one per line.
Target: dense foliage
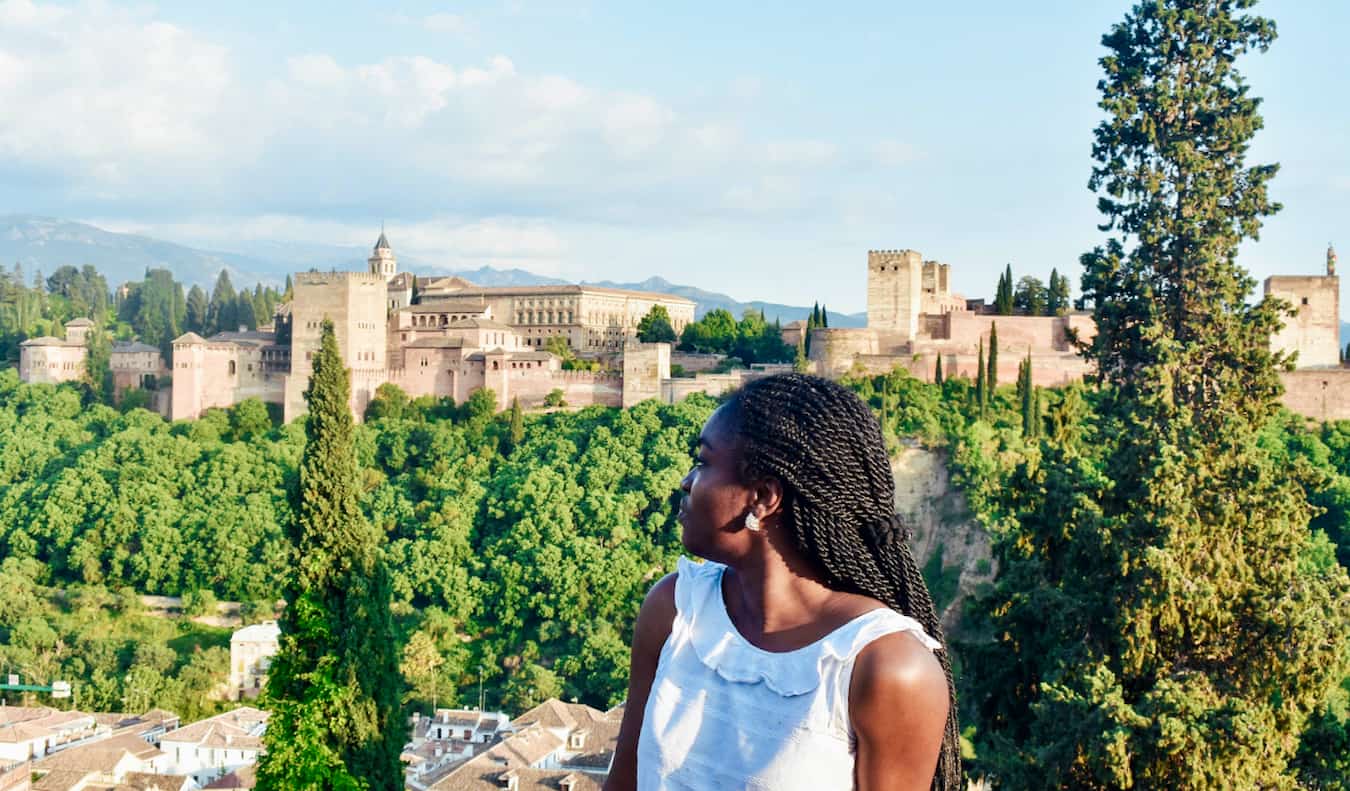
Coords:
pixel 519 559
pixel 751 340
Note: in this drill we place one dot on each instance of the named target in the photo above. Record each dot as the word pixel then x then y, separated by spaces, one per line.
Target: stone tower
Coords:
pixel 895 292
pixel 382 261
pixel 1314 331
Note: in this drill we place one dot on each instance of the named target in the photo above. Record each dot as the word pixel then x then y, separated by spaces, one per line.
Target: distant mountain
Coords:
pixel 45 244
pixel 708 300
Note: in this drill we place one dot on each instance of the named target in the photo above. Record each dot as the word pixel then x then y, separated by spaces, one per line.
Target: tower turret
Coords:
pixel 382 260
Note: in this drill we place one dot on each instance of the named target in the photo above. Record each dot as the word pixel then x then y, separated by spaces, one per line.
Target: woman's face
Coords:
pixel 715 500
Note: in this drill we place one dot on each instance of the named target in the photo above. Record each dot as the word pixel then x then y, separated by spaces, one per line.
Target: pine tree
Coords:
pixel 937 371
pixel 334 688
pixel 1160 620
pixel 991 378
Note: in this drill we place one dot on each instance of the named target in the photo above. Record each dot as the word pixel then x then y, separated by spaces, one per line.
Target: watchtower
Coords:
pixel 895 291
pixel 382 261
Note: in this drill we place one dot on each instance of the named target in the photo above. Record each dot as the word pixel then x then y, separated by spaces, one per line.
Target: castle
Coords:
pixel 446 337
pixel 913 320
pixel 442 337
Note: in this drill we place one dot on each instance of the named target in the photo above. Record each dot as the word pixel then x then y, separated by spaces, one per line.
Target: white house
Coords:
pixel 251 652
pixel 216 746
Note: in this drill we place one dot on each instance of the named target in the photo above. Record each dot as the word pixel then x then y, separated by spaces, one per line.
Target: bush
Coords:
pixel 555 398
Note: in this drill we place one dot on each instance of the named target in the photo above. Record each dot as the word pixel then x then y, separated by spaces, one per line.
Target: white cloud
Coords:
pixel 117 107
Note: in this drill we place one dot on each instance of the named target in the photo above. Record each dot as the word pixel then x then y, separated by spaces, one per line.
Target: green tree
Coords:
pixel 981 393
pixel 1003 297
pixel 1156 560
pixel 390 401
pixel 937 371
pixel 1057 295
pixel 516 432
pixel 991 378
pixel 220 312
pixel 197 309
pixel 249 419
pixel 98 365
pixel 420 667
pixel 1031 296
pixel 555 398
pixel 1026 396
pixel 655 327
pixel 334 688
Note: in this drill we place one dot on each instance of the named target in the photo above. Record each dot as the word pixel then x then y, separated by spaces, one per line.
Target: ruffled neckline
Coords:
pixel 723 649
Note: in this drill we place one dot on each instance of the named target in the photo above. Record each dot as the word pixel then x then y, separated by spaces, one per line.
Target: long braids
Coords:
pixel 825 445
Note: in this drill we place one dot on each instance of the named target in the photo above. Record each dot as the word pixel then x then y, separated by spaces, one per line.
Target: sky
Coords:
pixel 758 150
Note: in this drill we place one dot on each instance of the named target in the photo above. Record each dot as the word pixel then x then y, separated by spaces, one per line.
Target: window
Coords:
pixel 231 367
pixel 1305 300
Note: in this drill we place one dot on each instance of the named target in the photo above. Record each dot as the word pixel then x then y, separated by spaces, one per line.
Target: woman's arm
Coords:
pixel 897 702
pixel 649 635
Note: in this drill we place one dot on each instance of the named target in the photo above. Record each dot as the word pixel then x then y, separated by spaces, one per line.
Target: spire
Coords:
pixel 382 243
pixel 1331 260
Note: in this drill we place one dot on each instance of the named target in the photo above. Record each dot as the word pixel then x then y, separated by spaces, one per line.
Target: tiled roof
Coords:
pixel 264 632
pixel 235 729
pixel 47 340
pixel 243 777
pixel 128 347
pixel 99 756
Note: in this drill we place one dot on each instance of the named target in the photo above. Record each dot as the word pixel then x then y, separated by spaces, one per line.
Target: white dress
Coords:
pixel 723 714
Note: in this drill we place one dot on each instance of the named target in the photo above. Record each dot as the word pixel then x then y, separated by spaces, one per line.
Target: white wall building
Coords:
pixel 251 652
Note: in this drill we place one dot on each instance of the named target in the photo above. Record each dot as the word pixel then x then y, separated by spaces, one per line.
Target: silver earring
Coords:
pixel 752 522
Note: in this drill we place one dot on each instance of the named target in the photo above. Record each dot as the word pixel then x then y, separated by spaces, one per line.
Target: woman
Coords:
pixel 805 653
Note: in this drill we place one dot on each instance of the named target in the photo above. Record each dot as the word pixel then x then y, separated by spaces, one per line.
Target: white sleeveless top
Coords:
pixel 723 714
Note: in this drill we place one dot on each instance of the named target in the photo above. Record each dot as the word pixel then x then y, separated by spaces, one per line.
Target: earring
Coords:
pixel 752 522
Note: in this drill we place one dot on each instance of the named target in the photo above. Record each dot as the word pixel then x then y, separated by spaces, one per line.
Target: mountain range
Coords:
pixel 45 244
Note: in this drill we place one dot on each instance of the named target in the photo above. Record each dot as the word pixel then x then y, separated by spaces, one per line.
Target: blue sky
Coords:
pixel 752 149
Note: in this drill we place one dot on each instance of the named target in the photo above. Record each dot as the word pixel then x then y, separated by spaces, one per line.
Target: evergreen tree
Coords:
pixel 1026 394
pixel 800 363
pixel 991 378
pixel 937 371
pixel 1057 298
pixel 516 434
pixel 244 312
pixel 1159 617
pixel 981 383
pixel 1003 298
pixel 824 316
pixel 288 292
pixel 334 688
pixel 98 378
pixel 194 319
pixel 221 314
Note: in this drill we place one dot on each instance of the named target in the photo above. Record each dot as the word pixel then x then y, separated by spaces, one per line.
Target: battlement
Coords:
pixel 904 252
pixel 585 376
pixel 325 278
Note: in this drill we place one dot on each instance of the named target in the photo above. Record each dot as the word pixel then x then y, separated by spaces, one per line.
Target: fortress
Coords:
pixel 442 337
pixel 446 337
pixel 913 320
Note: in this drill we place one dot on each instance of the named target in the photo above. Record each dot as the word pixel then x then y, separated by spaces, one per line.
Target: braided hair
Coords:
pixel 824 444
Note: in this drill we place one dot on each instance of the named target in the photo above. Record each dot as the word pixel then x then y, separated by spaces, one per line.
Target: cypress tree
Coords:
pixel 981 385
pixel 334 687
pixel 824 316
pixel 1161 617
pixel 991 379
pixel 1003 299
pixel 937 371
pixel 517 432
pixel 1026 393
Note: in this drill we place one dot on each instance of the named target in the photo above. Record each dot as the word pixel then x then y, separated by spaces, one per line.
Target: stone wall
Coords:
pixel 1321 394
pixel 355 302
pixel 1314 332
pixel 645 365
pixel 833 350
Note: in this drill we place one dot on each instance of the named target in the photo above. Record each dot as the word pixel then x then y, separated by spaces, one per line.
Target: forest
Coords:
pixel 520 553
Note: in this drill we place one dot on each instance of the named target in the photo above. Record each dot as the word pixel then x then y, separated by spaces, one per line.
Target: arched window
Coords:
pixel 231 367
